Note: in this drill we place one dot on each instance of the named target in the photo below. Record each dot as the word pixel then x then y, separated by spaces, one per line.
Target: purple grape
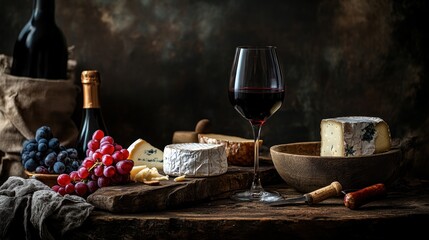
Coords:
pixel 92 186
pixel 81 188
pixel 59 167
pixel 61 156
pixel 41 169
pixel 50 159
pixel 54 143
pixel 103 181
pixel 42 146
pixel 43 132
pixel 30 165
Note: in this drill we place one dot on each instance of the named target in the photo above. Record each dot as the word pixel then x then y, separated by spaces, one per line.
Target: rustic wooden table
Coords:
pixel 404 212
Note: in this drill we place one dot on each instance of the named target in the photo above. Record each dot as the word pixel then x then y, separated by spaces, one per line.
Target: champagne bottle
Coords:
pixel 40 50
pixel 92 118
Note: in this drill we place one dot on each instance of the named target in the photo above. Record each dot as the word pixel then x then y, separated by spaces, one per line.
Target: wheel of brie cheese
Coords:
pixel 195 159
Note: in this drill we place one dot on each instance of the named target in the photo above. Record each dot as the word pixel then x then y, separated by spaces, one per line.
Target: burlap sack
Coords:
pixel 28 103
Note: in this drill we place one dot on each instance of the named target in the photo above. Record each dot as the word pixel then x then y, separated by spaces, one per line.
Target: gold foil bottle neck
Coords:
pixel 90 83
pixel 90 76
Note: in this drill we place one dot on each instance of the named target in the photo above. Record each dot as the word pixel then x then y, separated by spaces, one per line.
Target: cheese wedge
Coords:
pixel 239 151
pixel 143 153
pixel 180 178
pixel 149 174
pixel 135 170
pixel 354 136
pixel 144 174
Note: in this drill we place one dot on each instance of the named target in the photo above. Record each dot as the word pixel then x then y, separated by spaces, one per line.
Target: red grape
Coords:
pixel 93 144
pixel 98 135
pixel 69 188
pixel 105 164
pixel 83 172
pixel 55 187
pixel 107 149
pixel 88 163
pixel 120 179
pixel 81 188
pixel 116 179
pixel 118 147
pixel 109 171
pixel 117 156
pixel 98 171
pixel 125 153
pixel 93 177
pixel 74 176
pixel 124 166
pixel 103 182
pixel 63 179
pixel 62 191
pixel 107 159
pixel 125 178
pixel 97 156
pixel 92 186
pixel 108 139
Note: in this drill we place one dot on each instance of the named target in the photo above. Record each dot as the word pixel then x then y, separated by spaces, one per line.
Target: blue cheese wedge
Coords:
pixel 195 159
pixel 354 136
pixel 143 153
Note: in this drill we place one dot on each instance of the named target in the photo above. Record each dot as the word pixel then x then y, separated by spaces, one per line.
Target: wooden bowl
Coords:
pixel 48 179
pixel 301 167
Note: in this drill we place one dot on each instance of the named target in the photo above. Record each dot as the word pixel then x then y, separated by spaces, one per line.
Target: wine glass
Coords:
pixel 256 90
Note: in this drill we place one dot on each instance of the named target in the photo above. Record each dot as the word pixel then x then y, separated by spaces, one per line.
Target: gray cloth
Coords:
pixel 29 209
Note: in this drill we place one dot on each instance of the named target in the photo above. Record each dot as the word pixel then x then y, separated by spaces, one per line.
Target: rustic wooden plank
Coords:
pixel 400 214
pixel 138 197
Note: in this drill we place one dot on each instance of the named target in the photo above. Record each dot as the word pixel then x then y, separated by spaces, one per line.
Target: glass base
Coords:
pixel 256 196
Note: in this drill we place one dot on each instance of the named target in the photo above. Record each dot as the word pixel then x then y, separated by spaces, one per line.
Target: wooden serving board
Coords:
pixel 139 197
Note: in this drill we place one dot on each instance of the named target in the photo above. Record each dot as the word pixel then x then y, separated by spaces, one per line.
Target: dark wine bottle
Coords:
pixel 41 50
pixel 92 117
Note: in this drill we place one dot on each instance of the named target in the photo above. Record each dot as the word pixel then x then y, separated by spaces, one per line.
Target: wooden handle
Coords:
pixel 185 137
pixel 203 126
pixel 332 190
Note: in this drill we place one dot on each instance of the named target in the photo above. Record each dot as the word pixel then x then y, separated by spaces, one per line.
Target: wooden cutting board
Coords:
pixel 139 197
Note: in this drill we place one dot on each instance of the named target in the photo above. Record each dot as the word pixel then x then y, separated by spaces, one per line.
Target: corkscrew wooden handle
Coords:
pixel 332 190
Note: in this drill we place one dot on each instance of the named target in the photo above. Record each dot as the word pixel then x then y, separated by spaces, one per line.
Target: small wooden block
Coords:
pixel 203 126
pixel 185 137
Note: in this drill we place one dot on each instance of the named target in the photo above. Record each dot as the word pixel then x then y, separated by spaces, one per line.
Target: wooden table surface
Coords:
pixel 404 212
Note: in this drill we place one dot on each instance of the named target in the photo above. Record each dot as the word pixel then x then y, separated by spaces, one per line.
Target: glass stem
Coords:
pixel 256 188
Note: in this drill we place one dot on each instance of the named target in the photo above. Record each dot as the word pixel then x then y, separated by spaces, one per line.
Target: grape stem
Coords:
pixel 97 163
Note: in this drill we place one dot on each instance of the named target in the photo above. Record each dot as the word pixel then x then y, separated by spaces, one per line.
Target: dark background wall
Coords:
pixel 165 64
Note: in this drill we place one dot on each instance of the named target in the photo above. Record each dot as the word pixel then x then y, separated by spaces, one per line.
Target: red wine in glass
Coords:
pixel 256 91
pixel 256 104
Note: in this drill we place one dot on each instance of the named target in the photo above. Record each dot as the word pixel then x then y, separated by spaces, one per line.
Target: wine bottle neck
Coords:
pixel 43 10
pixel 90 95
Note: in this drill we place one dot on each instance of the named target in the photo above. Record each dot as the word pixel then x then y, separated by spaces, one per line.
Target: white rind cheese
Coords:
pixel 354 136
pixel 143 153
pixel 195 159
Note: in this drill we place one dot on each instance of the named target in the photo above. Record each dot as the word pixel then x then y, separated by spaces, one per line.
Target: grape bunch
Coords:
pixel 45 154
pixel 105 164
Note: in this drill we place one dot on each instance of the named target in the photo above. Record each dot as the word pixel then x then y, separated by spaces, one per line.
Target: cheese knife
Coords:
pixel 316 196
